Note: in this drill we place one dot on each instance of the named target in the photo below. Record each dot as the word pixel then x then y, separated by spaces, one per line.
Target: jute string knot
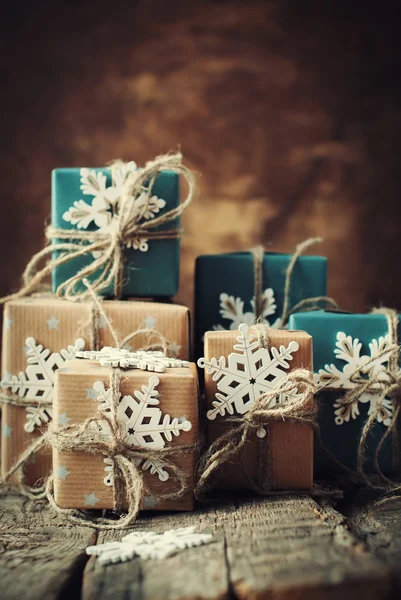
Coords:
pixel 108 249
pixel 307 304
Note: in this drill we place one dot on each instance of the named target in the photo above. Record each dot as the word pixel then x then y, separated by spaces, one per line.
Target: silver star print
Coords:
pixel 62 472
pixel 26 350
pixel 150 322
pixel 63 420
pixel 7 430
pixel 91 394
pixel 53 323
pixel 150 502
pixel 91 499
pixel 7 323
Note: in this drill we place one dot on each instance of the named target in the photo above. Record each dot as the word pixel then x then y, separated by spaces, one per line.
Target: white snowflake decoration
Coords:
pixel 149 545
pixel 141 359
pixel 144 423
pixel 251 371
pixel 37 382
pixel 357 369
pixel 103 211
pixel 232 309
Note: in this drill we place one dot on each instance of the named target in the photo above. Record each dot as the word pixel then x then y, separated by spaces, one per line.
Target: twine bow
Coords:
pixel 108 267
pixel 388 384
pixel 297 408
pixel 304 305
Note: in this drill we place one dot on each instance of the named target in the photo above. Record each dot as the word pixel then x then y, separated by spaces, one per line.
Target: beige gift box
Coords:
pixel 56 324
pixel 81 480
pixel 290 444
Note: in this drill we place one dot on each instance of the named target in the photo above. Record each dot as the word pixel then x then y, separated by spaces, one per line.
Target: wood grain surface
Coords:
pixel 288 110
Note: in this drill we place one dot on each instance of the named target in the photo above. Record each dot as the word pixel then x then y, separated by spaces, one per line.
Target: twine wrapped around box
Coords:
pixel 110 246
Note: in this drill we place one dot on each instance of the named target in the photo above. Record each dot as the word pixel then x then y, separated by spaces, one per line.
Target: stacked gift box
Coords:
pixel 61 352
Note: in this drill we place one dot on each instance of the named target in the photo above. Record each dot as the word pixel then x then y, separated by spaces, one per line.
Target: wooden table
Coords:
pixel 275 548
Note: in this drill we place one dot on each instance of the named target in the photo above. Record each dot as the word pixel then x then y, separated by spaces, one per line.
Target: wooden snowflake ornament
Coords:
pixel 232 309
pixel 141 359
pixel 247 374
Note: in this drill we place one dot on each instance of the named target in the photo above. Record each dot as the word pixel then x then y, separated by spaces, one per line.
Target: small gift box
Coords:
pixel 89 200
pixel 155 412
pixel 240 367
pixel 348 351
pixel 40 334
pixel 225 283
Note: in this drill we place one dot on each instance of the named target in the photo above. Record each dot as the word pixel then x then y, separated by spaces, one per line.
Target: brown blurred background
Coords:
pixel 289 110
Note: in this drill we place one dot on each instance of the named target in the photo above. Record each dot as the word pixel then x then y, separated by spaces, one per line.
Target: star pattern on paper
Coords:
pixel 149 545
pixel 7 322
pixel 232 309
pixel 143 422
pixel 174 349
pixel 26 350
pixel 145 360
pixel 358 368
pixel 249 372
pixel 150 322
pixel 7 430
pixel 62 472
pixel 150 502
pixel 63 420
pixel 53 322
pixel 91 394
pixel 91 499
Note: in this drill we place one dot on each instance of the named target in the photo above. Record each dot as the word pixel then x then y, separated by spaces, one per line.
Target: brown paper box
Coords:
pixel 291 444
pixel 56 324
pixel 77 475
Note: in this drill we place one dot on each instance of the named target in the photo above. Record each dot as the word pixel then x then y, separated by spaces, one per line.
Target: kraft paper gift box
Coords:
pixel 341 343
pixel 290 444
pixel 85 199
pixel 84 480
pixel 224 289
pixel 62 327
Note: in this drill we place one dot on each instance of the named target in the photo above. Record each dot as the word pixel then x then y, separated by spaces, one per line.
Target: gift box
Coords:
pixel 246 373
pixel 224 289
pixel 87 200
pixel 343 343
pixel 155 411
pixel 59 328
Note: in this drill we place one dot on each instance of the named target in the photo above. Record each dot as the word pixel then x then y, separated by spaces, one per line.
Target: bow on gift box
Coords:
pixel 108 267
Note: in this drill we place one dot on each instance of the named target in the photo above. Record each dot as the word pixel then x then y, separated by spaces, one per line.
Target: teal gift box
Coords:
pixel 343 342
pixel 224 289
pixel 87 199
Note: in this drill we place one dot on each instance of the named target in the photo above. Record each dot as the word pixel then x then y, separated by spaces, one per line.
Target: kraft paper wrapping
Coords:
pixel 79 477
pixel 290 444
pixel 56 324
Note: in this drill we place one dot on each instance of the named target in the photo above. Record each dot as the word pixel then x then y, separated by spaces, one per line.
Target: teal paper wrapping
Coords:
pixel 232 274
pixel 154 273
pixel 342 440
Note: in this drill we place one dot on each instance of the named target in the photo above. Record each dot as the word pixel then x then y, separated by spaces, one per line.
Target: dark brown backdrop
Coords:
pixel 289 110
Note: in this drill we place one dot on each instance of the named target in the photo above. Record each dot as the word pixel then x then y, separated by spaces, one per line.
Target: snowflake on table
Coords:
pixel 37 382
pixel 232 309
pixel 144 423
pixel 149 545
pixel 251 371
pixel 357 369
pixel 146 360
pixel 103 211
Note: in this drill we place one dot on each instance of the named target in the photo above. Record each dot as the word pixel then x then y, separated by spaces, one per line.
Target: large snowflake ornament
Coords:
pixel 143 422
pixel 232 309
pixel 149 545
pixel 358 368
pixel 146 360
pixel 37 382
pixel 249 372
pixel 103 210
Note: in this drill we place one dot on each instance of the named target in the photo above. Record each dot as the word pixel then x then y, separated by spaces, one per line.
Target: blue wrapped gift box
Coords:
pixel 87 199
pixel 224 289
pixel 343 342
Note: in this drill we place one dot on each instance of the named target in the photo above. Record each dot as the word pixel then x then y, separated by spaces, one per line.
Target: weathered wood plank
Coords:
pixel 272 548
pixel 40 557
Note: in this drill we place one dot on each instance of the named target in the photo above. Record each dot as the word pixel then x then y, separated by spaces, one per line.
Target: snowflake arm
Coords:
pixel 141 359
pixel 36 416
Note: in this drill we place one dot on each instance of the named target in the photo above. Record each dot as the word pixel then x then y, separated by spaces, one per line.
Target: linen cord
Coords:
pixel 111 246
pixel 304 305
